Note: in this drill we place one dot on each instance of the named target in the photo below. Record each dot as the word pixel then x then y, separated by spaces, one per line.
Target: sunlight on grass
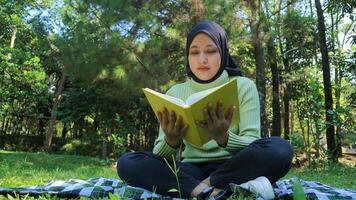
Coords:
pixel 335 175
pixel 23 169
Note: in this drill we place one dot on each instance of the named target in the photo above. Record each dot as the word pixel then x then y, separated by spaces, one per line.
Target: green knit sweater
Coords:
pixel 245 132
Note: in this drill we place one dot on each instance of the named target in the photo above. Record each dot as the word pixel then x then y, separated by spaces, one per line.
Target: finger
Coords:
pixel 207 116
pixel 178 125
pixel 172 119
pixel 220 109
pixel 185 129
pixel 159 115
pixel 212 113
pixel 230 113
pixel 165 117
pixel 201 124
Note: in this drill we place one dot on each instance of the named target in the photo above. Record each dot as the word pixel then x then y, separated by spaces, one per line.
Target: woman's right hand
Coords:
pixel 173 127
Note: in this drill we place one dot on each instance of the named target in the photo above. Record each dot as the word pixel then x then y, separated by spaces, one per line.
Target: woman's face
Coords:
pixel 204 57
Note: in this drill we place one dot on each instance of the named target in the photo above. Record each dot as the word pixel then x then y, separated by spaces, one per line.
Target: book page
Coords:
pixel 167 97
pixel 199 95
pixel 227 93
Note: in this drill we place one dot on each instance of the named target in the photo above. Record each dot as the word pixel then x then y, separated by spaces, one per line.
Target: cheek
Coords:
pixel 217 61
pixel 191 61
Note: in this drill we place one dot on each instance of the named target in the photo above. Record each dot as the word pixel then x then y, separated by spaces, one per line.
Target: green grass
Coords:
pixel 336 175
pixel 26 169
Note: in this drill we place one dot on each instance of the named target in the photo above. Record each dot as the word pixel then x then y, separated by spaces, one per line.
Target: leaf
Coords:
pixel 113 197
pixel 172 190
pixel 298 192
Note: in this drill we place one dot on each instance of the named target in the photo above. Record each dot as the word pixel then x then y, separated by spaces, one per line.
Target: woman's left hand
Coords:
pixel 217 122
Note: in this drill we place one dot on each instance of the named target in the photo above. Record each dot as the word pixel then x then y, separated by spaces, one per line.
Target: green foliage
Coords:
pixel 120 143
pixel 175 170
pixel 75 147
pixel 297 142
pixel 298 192
pixel 109 50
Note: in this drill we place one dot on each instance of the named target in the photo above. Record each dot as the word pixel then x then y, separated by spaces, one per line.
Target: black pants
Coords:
pixel 269 157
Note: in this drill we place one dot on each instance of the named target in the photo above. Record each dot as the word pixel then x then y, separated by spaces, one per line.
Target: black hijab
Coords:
pixel 218 35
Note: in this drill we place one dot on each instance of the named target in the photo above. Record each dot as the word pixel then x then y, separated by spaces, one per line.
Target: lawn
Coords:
pixel 26 169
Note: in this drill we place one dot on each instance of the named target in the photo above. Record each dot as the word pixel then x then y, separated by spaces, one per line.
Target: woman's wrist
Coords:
pixel 175 144
pixel 222 141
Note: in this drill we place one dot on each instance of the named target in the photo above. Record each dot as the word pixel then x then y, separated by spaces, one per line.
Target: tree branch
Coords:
pixel 136 56
pixel 282 8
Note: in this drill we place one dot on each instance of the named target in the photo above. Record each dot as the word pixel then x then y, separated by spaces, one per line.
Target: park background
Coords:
pixel 72 73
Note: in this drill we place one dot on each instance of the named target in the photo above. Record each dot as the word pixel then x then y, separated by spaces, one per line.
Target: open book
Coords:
pixel 192 108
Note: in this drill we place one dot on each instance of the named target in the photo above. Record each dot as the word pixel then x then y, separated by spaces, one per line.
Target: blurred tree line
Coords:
pixel 71 71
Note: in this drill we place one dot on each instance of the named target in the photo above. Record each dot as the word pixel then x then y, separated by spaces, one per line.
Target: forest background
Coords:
pixel 71 71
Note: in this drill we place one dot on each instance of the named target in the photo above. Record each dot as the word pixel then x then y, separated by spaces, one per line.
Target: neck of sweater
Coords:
pixel 223 78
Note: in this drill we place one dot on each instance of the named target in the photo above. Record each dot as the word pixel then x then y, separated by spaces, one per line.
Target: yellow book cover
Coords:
pixel 192 108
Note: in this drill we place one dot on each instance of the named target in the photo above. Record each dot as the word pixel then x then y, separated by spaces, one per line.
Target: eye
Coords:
pixel 193 52
pixel 211 50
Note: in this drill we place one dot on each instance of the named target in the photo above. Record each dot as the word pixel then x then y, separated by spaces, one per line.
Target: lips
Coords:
pixel 203 68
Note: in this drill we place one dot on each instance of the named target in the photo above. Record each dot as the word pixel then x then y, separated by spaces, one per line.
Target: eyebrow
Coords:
pixel 209 45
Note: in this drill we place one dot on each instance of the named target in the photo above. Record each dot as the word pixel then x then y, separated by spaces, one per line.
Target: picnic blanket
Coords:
pixel 99 187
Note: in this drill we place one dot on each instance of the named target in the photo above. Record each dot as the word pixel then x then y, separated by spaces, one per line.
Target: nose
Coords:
pixel 203 58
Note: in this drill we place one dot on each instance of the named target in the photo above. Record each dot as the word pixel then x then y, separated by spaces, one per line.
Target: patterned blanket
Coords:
pixel 100 187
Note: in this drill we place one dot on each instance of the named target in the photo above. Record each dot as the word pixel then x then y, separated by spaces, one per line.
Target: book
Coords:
pixel 192 109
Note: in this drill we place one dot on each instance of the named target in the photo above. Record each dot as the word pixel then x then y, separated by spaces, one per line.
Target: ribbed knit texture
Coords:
pixel 245 132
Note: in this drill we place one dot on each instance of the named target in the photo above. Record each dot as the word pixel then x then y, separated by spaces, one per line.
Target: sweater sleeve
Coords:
pixel 248 128
pixel 161 148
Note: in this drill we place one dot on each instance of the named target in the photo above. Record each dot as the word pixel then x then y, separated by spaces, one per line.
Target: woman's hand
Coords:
pixel 217 122
pixel 173 127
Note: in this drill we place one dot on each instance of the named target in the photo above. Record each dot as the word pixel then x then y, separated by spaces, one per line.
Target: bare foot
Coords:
pixel 198 189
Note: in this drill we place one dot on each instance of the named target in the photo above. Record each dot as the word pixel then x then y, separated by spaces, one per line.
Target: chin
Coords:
pixel 205 78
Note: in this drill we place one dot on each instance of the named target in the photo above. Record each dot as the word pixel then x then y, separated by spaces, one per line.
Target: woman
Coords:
pixel 235 155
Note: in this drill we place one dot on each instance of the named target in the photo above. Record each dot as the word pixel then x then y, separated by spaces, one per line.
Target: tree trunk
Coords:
pixel 291 122
pixel 12 41
pixel 7 125
pixel 276 122
pixel 13 126
pixel 2 131
pixel 272 58
pixel 309 145
pixel 285 92
pixel 52 122
pixel 317 138
pixel 104 149
pixel 287 95
pixel 330 131
pixel 64 130
pixel 334 23
pixel 257 38
pixel 196 11
pixel 13 37
pixel 41 125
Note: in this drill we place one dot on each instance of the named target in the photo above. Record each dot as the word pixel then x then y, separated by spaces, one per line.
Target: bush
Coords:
pixel 80 147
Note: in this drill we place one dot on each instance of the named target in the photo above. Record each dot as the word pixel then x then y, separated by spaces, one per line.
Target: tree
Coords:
pixel 273 62
pixel 330 131
pixel 258 51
